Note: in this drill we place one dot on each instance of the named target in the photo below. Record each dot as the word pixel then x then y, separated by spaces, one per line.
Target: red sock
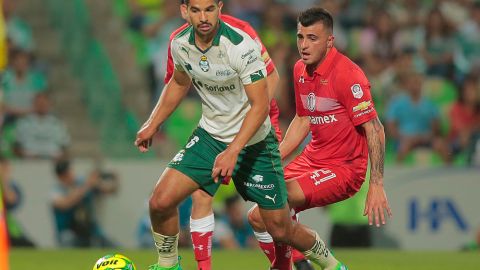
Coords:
pixel 283 257
pixel 297 256
pixel 202 248
pixel 269 250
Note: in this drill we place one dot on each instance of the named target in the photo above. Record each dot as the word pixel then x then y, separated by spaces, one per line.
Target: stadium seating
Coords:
pixel 101 88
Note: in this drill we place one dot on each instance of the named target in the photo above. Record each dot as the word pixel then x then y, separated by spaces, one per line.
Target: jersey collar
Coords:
pixel 216 39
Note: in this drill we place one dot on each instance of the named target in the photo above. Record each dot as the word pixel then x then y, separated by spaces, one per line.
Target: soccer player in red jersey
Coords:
pixel 334 103
pixel 202 217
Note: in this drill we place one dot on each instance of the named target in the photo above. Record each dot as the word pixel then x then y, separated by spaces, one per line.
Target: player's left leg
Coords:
pixel 286 233
pixel 265 241
pixel 202 224
pixel 294 169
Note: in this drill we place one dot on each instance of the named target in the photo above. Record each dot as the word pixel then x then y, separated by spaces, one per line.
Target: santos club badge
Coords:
pixel 204 65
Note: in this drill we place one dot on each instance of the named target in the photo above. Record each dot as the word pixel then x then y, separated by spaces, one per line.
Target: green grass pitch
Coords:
pixel 22 259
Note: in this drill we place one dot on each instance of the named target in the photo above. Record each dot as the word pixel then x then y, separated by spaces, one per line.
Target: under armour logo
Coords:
pixel 270 198
pixel 301 80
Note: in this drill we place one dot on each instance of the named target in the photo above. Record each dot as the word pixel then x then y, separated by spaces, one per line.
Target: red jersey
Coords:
pixel 247 28
pixel 337 100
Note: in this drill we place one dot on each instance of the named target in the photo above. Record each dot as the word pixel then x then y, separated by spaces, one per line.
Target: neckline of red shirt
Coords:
pixel 323 67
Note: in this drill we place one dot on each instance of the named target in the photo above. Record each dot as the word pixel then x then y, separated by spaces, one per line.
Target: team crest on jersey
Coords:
pixel 311 102
pixel 357 91
pixel 204 65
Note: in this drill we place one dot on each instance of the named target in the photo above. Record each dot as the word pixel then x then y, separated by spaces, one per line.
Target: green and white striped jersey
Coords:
pixel 219 75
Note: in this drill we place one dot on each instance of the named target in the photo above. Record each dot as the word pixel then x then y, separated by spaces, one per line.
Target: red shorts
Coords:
pixel 322 184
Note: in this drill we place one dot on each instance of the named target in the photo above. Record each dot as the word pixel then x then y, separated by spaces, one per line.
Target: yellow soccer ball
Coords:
pixel 114 262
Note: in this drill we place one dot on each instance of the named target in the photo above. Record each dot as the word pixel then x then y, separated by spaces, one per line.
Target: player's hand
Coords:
pixel 376 205
pixel 224 165
pixel 144 137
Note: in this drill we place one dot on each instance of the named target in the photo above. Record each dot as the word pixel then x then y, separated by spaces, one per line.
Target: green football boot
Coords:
pixel 339 266
pixel 158 267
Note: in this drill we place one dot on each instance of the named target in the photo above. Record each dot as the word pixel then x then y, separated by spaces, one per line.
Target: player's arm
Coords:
pixel 376 198
pixel 272 82
pixel 296 133
pixel 171 96
pixel 257 94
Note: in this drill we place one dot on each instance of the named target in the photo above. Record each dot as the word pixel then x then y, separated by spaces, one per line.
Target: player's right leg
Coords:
pixel 189 170
pixel 202 224
pixel 171 189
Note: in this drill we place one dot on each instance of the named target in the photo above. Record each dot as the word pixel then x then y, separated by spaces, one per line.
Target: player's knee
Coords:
pixel 278 229
pixel 255 219
pixel 278 233
pixel 160 205
pixel 202 199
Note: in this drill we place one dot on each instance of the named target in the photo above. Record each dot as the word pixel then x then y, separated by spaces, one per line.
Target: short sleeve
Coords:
pixel 354 89
pixel 270 66
pixel 170 65
pixel 246 59
pixel 297 70
pixel 175 57
pixel 248 29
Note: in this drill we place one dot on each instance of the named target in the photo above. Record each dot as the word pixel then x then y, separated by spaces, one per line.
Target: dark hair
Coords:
pixel 314 15
pixel 61 167
pixel 187 2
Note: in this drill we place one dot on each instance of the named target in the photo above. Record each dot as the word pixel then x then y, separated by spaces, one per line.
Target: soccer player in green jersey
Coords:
pixel 234 137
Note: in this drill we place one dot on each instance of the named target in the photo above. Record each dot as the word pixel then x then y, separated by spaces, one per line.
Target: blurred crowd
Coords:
pixel 30 130
pixel 421 57
pixel 28 127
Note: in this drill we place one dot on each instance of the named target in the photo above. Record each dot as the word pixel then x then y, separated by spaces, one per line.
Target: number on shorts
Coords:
pixel 192 142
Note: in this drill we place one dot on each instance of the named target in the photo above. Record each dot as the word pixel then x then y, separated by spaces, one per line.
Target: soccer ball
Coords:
pixel 114 262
